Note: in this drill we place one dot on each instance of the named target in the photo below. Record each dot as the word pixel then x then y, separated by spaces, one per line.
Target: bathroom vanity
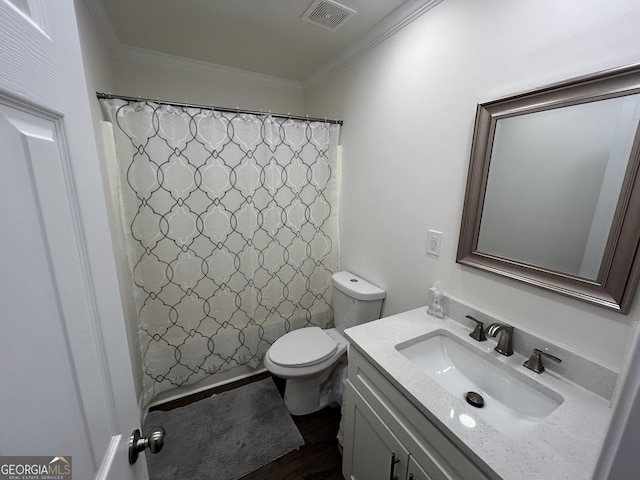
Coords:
pixel 403 421
pixel 387 437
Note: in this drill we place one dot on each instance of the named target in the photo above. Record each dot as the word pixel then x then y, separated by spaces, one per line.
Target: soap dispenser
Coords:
pixel 435 302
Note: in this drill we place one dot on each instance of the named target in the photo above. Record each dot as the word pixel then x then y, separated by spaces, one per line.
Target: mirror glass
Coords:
pixel 551 188
pixel 554 182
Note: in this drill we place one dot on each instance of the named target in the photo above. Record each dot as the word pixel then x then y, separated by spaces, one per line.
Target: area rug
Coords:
pixel 225 436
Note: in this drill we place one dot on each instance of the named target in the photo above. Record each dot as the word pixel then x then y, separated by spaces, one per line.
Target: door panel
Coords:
pixel 37 145
pixel 65 369
pixel 36 364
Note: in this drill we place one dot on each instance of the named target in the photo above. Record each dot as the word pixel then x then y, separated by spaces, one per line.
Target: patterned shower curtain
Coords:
pixel 231 233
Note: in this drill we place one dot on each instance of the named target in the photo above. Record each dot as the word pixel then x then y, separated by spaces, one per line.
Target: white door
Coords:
pixel 66 386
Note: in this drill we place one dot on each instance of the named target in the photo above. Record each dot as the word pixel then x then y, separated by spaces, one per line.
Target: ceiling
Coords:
pixel 261 36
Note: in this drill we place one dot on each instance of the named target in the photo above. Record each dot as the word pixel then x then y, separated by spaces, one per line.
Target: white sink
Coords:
pixel 513 403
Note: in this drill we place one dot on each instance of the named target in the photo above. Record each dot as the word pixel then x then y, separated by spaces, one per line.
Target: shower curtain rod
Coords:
pixel 110 96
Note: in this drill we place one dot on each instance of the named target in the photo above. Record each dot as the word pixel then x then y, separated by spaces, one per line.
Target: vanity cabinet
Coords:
pixel 375 453
pixel 388 438
pixel 415 471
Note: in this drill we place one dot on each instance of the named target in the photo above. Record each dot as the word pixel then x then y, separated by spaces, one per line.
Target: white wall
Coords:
pixel 180 80
pixel 409 108
pixel 100 76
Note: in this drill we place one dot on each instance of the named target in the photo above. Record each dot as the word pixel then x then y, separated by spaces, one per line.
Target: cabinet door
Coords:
pixel 416 472
pixel 371 451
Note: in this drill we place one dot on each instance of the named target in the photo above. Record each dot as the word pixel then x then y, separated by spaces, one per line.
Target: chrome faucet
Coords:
pixel 505 342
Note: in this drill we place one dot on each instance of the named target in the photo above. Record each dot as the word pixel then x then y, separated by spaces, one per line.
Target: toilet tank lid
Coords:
pixel 356 287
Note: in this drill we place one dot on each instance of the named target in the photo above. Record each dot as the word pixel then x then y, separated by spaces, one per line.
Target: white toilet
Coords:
pixel 308 357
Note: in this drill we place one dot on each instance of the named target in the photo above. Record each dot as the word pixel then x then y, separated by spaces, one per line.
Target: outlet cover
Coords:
pixel 434 239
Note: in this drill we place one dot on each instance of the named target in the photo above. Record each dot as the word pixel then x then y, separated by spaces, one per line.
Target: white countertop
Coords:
pixel 565 445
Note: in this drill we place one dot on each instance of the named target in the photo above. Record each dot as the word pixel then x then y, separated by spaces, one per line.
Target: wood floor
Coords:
pixel 317 459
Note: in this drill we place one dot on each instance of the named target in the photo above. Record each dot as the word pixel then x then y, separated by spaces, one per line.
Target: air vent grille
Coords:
pixel 328 14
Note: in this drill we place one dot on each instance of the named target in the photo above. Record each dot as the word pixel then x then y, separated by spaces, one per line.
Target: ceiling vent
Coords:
pixel 328 14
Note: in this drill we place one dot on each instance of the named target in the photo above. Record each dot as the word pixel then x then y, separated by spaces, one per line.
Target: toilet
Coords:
pixel 309 358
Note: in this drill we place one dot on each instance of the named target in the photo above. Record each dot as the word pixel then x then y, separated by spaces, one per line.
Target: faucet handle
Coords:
pixel 535 360
pixel 478 332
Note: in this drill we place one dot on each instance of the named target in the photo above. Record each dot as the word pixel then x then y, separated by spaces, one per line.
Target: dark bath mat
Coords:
pixel 225 436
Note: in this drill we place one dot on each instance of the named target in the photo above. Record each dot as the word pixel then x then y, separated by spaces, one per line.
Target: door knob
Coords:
pixel 137 443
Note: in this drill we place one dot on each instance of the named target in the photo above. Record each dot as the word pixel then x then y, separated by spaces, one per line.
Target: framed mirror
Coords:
pixel 553 195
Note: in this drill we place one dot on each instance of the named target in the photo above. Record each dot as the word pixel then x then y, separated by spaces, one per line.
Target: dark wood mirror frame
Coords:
pixel 619 271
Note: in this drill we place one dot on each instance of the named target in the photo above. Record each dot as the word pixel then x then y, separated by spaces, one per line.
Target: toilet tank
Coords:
pixel 355 300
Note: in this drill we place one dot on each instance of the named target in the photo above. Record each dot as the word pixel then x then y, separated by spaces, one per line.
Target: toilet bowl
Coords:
pixel 311 358
pixel 307 358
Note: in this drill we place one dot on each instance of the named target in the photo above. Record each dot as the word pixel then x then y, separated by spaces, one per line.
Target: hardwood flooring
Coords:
pixel 317 459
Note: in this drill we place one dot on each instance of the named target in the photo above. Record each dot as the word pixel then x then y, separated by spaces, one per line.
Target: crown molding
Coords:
pixel 162 59
pixel 101 19
pixel 396 20
pixel 152 57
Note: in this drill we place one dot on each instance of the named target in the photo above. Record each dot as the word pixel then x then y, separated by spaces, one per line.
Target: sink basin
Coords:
pixel 513 404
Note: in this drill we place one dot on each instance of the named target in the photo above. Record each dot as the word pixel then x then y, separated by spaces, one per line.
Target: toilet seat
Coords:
pixel 302 348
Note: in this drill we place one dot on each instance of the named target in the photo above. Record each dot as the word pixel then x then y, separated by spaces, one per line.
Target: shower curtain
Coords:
pixel 231 231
